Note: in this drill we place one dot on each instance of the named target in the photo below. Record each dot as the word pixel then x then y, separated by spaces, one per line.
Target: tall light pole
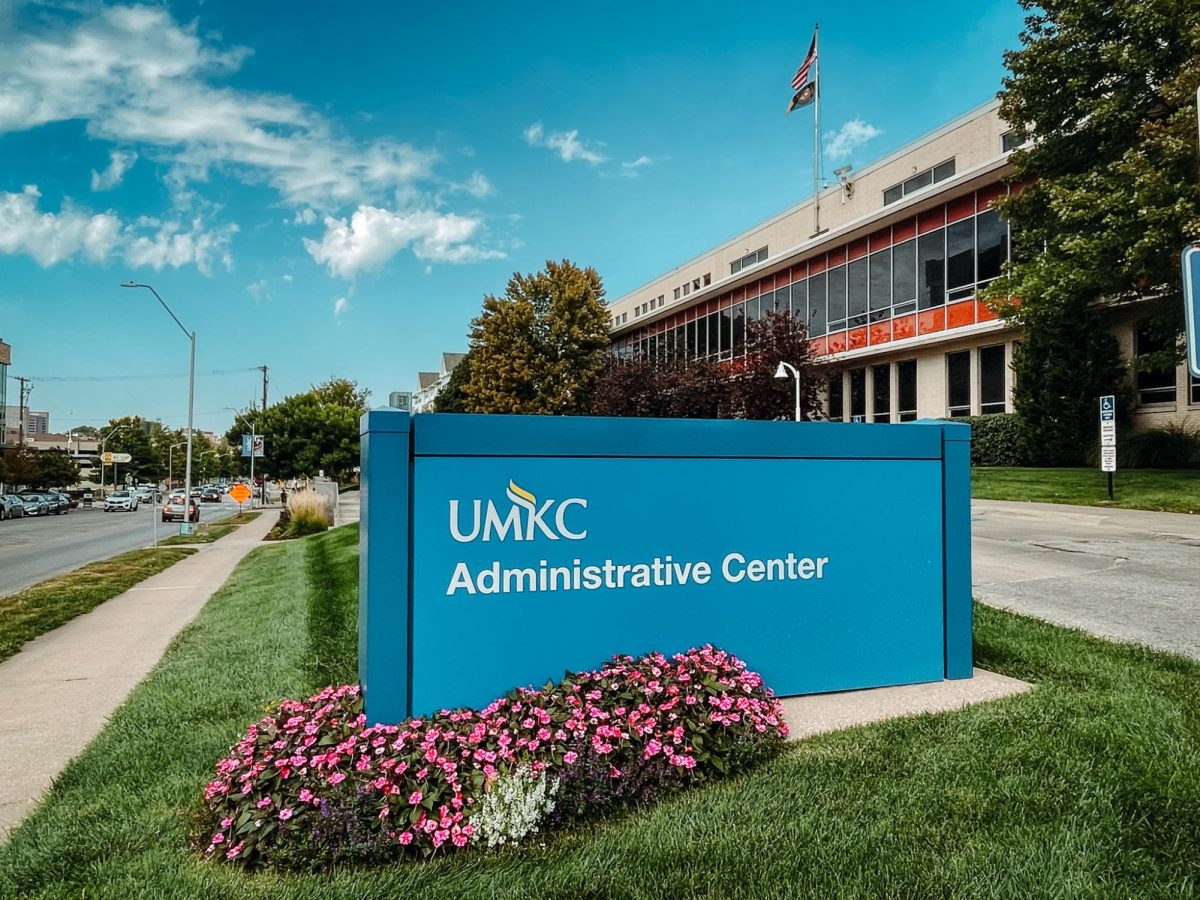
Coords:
pixel 185 527
pixel 782 372
pixel 171 465
pixel 103 441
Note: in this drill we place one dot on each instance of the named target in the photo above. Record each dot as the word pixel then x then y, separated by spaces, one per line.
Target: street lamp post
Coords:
pixel 191 336
pixel 782 372
pixel 103 441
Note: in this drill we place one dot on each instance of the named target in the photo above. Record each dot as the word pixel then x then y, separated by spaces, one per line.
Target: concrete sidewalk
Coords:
pixel 59 691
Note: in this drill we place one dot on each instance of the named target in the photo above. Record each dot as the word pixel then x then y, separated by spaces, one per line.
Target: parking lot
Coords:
pixel 34 548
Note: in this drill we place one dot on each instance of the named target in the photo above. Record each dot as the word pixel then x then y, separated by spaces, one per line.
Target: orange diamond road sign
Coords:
pixel 240 492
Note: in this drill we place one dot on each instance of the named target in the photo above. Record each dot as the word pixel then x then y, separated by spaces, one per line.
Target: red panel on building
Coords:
pixel 902 231
pixel 985 196
pixel 904 327
pixel 837 257
pixel 881 333
pixel 816 265
pixel 766 284
pixel 857 337
pixel 819 346
pixel 962 208
pixel 881 239
pixel 750 291
pixel 800 272
pixel 983 314
pixel 928 221
pixel 858 249
pixel 837 342
pixel 931 320
pixel 960 314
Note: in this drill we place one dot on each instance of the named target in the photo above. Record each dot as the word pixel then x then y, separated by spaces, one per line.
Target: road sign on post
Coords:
pixel 240 493
pixel 1108 438
pixel 1191 304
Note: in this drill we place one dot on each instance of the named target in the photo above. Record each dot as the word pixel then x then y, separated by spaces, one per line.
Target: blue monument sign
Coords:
pixel 1191 301
pixel 499 551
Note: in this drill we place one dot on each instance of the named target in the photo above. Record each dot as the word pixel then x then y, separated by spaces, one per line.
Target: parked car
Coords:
pixel 64 501
pixel 11 507
pixel 34 504
pixel 50 504
pixel 121 501
pixel 210 493
pixel 148 494
pixel 173 510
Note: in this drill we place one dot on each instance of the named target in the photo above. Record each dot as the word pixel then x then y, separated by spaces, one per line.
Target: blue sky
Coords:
pixel 331 190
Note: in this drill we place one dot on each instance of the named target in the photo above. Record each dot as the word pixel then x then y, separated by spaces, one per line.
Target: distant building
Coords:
pixel 37 422
pixel 430 384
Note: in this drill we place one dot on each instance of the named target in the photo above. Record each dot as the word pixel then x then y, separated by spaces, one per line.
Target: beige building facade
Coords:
pixel 888 286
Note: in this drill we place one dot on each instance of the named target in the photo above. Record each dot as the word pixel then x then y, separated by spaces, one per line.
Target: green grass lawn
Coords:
pixel 48 604
pixel 1160 489
pixel 214 532
pixel 1088 786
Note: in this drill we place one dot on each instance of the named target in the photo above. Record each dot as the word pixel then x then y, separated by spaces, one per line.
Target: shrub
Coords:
pixel 1171 446
pixel 311 785
pixel 309 514
pixel 996 440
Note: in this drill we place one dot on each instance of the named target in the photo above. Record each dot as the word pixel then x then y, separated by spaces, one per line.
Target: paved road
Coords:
pixel 1125 574
pixel 32 549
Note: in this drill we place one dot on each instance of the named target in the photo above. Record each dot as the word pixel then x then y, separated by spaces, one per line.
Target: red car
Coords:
pixel 173 510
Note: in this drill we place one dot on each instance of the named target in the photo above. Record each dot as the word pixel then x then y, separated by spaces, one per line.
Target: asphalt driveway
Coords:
pixel 1124 574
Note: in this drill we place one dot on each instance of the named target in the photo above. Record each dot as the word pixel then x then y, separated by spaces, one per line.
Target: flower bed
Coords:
pixel 311 784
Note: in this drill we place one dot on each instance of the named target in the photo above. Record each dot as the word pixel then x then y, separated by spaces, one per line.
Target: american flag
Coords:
pixel 801 77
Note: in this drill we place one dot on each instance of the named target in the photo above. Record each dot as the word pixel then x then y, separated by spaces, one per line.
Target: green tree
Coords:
pixel 309 432
pixel 21 466
pixel 755 391
pixel 132 435
pixel 539 348
pixel 1102 98
pixel 673 388
pixel 54 469
pixel 453 397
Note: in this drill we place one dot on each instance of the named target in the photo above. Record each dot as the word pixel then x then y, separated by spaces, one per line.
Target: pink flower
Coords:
pixel 306 795
pixel 569 757
pixel 263 803
pixel 405 838
pixel 336 778
pixel 415 797
pixel 218 838
pixel 285 814
pixel 225 823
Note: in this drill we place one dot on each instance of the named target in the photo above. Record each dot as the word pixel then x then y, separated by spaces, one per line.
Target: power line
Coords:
pixel 99 378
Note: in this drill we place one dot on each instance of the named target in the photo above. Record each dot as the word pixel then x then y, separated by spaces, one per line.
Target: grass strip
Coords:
pixel 331 569
pixel 48 604
pixel 209 533
pixel 1088 786
pixel 1163 490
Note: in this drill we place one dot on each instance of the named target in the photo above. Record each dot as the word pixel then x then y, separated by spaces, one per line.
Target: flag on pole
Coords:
pixel 804 96
pixel 801 77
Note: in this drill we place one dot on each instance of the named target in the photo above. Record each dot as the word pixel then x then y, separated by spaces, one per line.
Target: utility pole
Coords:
pixel 264 371
pixel 26 388
pixel 264 409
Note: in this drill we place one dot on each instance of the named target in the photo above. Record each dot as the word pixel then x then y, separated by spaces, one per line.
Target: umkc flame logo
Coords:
pixel 523 521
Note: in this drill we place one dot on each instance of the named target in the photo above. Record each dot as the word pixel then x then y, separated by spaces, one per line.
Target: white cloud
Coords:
pixel 852 135
pixel 372 236
pixel 287 278
pixel 566 143
pixel 306 216
pixel 637 163
pixel 340 305
pixel 477 186
pixel 137 77
pixel 51 238
pixel 120 161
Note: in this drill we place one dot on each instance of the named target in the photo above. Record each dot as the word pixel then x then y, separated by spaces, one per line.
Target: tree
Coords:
pixel 135 439
pixel 54 469
pixel 310 432
pixel 540 347
pixel 1102 97
pixel 453 396
pixel 663 388
pixel 756 393
pixel 22 467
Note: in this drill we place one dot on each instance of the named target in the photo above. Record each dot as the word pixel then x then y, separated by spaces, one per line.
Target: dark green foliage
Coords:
pixel 755 391
pixel 54 469
pixel 1063 365
pixel 995 440
pixel 662 388
pixel 1173 446
pixel 331 569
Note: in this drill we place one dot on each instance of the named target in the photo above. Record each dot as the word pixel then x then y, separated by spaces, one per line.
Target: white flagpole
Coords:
pixel 817 132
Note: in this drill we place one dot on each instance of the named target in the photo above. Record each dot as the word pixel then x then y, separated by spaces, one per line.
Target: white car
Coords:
pixel 120 500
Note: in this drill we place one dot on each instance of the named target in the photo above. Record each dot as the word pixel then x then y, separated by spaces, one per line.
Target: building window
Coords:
pixel 707 278
pixel 836 407
pixel 881 393
pixel 958 383
pixel 906 390
pixel 991 379
pixel 940 172
pixel 750 259
pixel 1193 389
pixel 856 293
pixel 960 259
pixel 931 269
pixel 991 243
pixel 881 285
pixel 677 291
pixel 1008 142
pixel 858 395
pixel 818 311
pixel 837 298
pixel 1153 385
pixel 904 275
pixel 695 284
